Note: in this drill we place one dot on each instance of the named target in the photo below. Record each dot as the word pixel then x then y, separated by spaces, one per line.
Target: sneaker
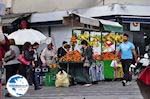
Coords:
pixel 38 88
pixel 128 83
pixel 124 83
pixel 88 85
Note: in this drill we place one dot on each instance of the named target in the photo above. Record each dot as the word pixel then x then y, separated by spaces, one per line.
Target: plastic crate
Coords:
pixel 108 70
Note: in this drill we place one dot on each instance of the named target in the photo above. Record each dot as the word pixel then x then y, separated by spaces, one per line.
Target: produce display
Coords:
pixel 105 56
pixel 109 56
pixel 73 40
pixel 72 56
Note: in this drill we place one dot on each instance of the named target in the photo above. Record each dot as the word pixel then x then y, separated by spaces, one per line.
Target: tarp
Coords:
pixel 111 26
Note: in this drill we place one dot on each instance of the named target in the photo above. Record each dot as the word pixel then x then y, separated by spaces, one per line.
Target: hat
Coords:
pixel 2 37
pixel 64 42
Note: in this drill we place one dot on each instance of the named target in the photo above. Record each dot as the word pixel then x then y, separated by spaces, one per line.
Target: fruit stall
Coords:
pixel 71 62
pixel 97 33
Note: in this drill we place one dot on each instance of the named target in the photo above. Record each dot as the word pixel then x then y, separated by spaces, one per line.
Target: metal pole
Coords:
pixel 103 2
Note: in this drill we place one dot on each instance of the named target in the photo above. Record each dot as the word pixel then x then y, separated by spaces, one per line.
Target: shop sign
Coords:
pixel 134 26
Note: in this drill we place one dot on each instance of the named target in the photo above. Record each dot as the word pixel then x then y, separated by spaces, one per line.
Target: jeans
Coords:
pixel 36 79
pixel 126 65
pixel 86 75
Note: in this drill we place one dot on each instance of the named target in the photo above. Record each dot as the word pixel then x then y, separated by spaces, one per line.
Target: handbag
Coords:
pixel 22 60
pixel 86 63
pixel 144 76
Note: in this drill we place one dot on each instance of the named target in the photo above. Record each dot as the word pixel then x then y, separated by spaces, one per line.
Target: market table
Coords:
pixel 75 69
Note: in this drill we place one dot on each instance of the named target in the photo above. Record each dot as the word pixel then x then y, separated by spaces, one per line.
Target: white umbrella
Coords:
pixel 27 35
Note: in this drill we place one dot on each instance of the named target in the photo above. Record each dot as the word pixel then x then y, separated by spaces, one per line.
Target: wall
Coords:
pixel 60 34
pixel 22 6
pixel 137 2
pixel 44 30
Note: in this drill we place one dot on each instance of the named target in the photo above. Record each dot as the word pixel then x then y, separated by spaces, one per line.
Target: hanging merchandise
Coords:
pixel 96 71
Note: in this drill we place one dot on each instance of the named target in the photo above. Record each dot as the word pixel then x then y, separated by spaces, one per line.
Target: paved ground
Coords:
pixel 103 90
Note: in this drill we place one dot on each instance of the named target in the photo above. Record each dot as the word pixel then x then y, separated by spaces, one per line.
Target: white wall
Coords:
pixel 44 30
pixel 60 34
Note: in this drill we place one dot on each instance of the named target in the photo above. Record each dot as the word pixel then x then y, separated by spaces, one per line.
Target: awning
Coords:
pixel 111 26
pixel 106 25
pixel 8 21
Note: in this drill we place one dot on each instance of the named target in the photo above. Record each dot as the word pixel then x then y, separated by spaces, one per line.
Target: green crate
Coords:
pixel 50 77
pixel 108 70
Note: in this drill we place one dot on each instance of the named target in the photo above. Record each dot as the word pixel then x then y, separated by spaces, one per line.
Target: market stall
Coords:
pixel 74 65
pixel 91 30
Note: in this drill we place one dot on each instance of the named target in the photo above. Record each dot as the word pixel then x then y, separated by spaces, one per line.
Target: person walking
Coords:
pixel 127 50
pixel 87 53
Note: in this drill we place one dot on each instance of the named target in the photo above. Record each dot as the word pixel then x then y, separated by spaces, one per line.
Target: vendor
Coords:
pixel 62 51
pixel 48 55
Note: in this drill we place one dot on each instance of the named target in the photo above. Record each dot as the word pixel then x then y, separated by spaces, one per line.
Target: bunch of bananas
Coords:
pixel 113 38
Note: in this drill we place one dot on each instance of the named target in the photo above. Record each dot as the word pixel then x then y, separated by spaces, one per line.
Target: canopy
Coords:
pixel 27 35
pixel 107 25
pixel 111 26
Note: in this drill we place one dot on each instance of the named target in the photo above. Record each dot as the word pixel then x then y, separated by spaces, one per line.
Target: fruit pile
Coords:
pixel 72 56
pixel 97 57
pixel 105 56
pixel 73 39
pixel 109 56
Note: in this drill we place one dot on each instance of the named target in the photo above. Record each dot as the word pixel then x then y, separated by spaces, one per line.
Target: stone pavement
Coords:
pixel 103 90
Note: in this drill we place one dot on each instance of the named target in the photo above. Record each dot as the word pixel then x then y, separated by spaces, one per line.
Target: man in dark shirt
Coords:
pixel 61 51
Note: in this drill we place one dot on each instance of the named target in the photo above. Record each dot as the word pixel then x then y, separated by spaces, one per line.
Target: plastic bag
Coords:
pixel 86 63
pixel 62 79
pixel 114 63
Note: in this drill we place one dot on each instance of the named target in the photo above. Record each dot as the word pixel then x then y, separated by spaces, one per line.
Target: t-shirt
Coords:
pixel 126 50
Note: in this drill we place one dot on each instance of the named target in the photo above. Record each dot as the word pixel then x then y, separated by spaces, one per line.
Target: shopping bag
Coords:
pixel 62 79
pixel 86 63
pixel 113 63
pixel 22 60
pixel 144 76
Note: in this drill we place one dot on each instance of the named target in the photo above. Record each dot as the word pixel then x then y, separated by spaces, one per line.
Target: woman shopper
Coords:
pixel 87 53
pixel 27 69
